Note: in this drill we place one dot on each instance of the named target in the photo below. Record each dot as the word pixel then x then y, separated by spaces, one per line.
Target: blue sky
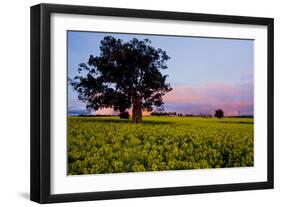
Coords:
pixel 205 73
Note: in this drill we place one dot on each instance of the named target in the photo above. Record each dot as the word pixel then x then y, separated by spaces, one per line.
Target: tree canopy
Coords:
pixel 124 75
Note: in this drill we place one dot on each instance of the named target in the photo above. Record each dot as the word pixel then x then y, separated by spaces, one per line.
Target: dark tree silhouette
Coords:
pixel 219 113
pixel 124 115
pixel 125 75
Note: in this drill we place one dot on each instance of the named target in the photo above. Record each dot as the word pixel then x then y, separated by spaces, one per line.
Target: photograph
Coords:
pixel 132 103
pixel 147 102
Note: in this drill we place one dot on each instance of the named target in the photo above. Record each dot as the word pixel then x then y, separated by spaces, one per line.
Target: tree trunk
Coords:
pixel 137 112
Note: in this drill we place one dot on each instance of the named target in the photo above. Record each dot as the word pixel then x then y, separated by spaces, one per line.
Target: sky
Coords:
pixel 205 73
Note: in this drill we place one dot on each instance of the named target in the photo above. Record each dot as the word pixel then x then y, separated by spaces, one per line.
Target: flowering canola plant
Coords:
pixel 112 145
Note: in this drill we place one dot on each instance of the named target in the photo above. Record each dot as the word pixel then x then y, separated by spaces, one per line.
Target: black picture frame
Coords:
pixel 41 96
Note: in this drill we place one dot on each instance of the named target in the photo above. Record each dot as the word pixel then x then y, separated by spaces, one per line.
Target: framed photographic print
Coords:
pixel 133 103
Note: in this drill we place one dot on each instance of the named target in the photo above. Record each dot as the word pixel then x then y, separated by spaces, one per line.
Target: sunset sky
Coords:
pixel 205 73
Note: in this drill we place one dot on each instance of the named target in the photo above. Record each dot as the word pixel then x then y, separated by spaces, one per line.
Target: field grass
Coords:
pixel 112 145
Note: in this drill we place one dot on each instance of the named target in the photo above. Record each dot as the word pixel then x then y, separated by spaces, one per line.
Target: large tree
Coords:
pixel 125 75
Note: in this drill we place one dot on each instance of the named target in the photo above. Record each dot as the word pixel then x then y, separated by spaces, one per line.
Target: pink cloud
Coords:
pixel 205 98
pixel 110 111
pixel 105 111
pixel 234 99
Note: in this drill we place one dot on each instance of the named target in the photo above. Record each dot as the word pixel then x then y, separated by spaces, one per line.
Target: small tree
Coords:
pixel 219 113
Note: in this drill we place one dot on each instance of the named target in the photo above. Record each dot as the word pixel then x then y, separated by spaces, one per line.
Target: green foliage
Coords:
pixel 111 145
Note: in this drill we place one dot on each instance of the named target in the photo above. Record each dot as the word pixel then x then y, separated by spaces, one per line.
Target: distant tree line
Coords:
pixel 163 114
pixel 219 113
pixel 178 114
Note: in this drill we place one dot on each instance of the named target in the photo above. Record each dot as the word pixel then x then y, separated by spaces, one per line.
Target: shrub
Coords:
pixel 124 115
